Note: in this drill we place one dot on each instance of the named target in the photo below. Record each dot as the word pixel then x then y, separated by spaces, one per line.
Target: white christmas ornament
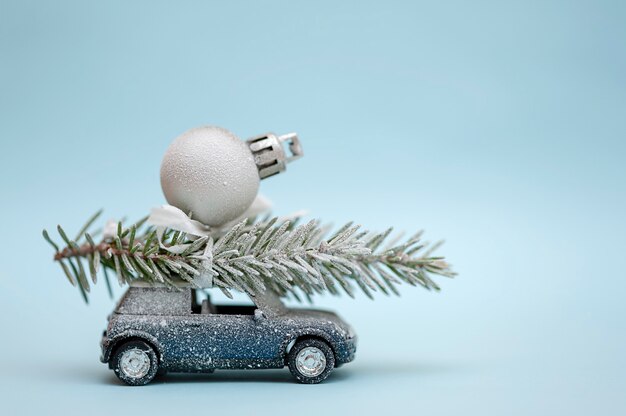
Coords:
pixel 210 173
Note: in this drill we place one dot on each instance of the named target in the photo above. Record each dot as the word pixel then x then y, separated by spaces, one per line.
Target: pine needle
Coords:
pixel 290 259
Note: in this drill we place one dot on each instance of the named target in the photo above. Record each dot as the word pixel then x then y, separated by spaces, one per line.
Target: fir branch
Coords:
pixel 265 255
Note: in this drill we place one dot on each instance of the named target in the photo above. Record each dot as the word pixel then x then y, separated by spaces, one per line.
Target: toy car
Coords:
pixel 159 329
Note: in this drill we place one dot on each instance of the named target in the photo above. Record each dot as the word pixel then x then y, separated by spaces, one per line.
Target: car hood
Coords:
pixel 316 314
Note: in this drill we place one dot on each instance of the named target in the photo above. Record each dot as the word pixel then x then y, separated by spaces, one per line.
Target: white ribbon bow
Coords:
pixel 168 216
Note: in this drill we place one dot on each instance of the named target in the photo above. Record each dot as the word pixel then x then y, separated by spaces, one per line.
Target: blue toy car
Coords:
pixel 159 329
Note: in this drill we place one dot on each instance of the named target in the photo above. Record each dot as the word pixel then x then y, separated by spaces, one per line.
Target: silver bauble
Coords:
pixel 209 172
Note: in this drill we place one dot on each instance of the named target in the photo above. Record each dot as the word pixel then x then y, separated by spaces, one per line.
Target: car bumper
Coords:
pixel 348 352
pixel 104 347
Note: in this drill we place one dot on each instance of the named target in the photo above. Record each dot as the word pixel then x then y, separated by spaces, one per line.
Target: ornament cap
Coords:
pixel 269 154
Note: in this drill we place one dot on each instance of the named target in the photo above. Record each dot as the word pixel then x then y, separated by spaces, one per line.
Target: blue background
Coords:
pixel 500 126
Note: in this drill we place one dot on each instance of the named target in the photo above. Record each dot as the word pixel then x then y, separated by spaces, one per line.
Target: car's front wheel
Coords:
pixel 135 363
pixel 311 360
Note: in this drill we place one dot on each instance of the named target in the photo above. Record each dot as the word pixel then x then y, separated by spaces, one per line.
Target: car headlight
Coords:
pixel 351 333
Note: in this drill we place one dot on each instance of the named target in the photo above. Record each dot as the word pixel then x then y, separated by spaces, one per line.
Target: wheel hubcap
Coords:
pixel 135 363
pixel 311 361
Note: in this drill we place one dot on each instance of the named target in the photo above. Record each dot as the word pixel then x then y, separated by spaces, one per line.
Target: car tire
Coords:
pixel 311 361
pixel 135 363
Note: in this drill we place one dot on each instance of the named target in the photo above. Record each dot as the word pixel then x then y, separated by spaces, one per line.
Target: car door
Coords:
pixel 239 341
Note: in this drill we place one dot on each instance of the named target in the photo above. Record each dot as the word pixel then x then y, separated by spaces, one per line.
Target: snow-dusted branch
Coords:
pixel 266 254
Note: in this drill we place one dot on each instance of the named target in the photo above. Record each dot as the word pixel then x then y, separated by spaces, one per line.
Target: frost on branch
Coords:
pixel 253 256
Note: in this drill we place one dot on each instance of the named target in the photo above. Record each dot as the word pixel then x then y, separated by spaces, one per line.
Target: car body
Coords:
pixel 168 330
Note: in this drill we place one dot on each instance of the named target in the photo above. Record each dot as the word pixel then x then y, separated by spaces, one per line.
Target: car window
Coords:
pixel 203 304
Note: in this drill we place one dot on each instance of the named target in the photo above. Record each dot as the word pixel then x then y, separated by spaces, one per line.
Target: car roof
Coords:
pixel 155 301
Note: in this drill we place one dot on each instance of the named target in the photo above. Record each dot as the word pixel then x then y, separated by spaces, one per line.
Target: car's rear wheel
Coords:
pixel 311 360
pixel 135 363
